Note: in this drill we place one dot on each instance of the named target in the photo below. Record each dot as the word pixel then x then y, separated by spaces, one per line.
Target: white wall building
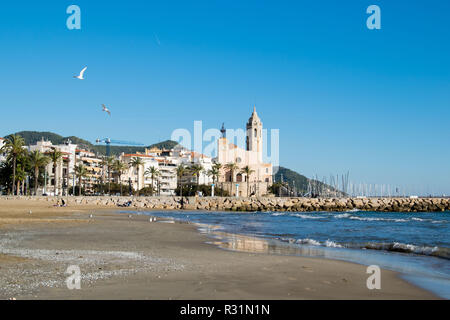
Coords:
pixel 191 158
pixel 59 181
pixel 163 184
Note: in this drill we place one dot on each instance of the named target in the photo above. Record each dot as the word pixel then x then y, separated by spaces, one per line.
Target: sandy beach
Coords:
pixel 122 257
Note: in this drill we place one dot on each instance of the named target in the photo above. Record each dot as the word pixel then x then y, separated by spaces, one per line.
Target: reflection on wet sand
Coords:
pixel 250 244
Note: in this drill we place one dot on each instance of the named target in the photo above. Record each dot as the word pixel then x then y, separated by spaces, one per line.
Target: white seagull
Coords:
pixel 80 76
pixel 106 109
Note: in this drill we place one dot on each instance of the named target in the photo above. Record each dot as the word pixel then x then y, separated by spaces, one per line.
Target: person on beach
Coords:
pixel 63 203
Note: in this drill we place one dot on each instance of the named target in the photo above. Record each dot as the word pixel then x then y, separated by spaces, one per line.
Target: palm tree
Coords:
pixel 247 171
pixel 20 177
pixel 67 175
pixel 37 160
pixel 108 162
pixel 181 170
pixel 232 167
pixel 81 172
pixel 137 162
pixel 13 147
pixel 55 156
pixel 120 167
pixel 218 167
pixel 214 173
pixel 153 172
pixel 196 169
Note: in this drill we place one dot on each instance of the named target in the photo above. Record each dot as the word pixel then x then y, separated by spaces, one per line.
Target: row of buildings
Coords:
pixel 166 162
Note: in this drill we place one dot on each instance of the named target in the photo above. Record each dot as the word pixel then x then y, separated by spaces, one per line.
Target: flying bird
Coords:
pixel 106 109
pixel 80 76
pixel 157 39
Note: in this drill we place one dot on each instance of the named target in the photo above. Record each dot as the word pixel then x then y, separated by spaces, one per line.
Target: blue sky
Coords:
pixel 374 102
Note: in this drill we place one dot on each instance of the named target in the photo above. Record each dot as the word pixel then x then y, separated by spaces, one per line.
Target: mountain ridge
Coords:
pixel 31 137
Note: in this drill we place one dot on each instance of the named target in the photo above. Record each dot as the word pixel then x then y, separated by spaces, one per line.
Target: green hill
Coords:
pixel 303 184
pixel 292 178
pixel 31 137
pixel 168 144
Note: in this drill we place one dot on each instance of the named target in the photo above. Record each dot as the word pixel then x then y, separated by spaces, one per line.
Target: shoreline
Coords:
pixel 272 246
pixel 250 204
pixel 143 260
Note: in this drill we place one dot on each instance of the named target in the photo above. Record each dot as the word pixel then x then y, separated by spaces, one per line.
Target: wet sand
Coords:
pixel 132 258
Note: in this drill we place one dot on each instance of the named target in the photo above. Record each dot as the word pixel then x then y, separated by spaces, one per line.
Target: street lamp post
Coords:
pixel 45 181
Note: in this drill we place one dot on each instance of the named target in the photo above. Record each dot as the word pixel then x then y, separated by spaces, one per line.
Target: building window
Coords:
pixel 256 131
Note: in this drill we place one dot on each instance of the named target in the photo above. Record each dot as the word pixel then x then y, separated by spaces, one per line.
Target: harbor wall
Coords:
pixel 253 204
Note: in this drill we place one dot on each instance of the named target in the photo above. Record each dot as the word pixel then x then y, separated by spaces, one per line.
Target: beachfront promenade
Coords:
pixel 252 204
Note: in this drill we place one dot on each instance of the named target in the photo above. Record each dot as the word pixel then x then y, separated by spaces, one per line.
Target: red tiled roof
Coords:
pixel 138 155
pixel 198 155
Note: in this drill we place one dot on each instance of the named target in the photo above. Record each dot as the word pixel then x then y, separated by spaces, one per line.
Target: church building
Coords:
pixel 234 177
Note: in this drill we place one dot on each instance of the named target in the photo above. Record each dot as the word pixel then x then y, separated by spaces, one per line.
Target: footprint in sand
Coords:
pixel 307 269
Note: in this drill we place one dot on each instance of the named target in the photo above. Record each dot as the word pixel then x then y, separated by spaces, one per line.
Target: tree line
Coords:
pixel 23 172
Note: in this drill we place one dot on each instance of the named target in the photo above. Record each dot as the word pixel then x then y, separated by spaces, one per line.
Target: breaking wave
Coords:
pixel 410 248
pixel 349 215
pixel 391 247
pixel 377 219
pixel 305 216
pixel 353 217
pixel 298 215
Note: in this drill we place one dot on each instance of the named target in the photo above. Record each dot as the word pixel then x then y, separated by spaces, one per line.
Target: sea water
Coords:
pixel 415 244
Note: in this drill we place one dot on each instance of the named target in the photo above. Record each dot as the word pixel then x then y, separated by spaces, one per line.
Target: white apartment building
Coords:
pixel 96 172
pixel 190 158
pixel 164 184
pixel 57 182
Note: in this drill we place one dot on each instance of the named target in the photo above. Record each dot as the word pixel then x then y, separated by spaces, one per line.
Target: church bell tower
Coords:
pixel 254 134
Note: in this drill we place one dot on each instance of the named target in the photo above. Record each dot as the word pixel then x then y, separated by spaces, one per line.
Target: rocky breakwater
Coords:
pixel 256 203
